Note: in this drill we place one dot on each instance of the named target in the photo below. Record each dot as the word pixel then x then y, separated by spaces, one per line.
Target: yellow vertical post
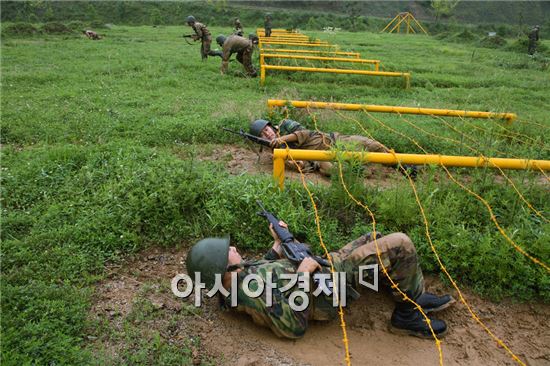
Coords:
pixel 262 59
pixel 262 74
pixel 377 66
pixel 279 171
pixel 408 23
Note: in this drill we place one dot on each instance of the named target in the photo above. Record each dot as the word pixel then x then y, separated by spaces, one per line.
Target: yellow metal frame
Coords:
pixel 262 43
pixel 280 155
pixel 406 18
pixel 271 103
pixel 339 53
pixel 271 39
pixel 405 75
pixel 376 63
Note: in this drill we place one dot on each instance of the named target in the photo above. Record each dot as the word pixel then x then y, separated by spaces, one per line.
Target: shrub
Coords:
pixel 20 29
pixel 56 28
pixel 493 42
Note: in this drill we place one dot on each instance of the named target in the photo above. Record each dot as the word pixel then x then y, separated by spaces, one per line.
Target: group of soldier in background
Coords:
pixel 235 43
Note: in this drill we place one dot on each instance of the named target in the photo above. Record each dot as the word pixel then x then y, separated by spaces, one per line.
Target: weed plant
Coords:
pixel 90 173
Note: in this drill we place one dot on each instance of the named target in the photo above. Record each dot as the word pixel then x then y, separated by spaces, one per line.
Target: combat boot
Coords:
pixel 406 319
pixel 431 303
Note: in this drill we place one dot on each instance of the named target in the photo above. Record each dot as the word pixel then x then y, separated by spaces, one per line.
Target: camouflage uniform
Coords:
pixel 315 140
pixel 533 39
pixel 202 33
pixel 239 28
pixel 243 48
pixel 397 253
pixel 267 26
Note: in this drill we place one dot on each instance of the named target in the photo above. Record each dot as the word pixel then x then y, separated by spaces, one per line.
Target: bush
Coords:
pixel 77 25
pixel 493 42
pixel 56 28
pixel 20 29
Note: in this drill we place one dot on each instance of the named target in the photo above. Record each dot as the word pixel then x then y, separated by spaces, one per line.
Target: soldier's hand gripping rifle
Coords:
pixel 186 37
pixel 250 137
pixel 292 249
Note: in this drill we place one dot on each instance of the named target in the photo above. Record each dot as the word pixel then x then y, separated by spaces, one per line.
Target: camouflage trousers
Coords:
pixel 357 142
pixel 205 48
pixel 532 47
pixel 397 255
pixel 245 58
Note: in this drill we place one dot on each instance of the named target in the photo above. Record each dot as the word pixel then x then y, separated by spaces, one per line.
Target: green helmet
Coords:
pixel 220 39
pixel 289 126
pixel 257 126
pixel 254 38
pixel 208 256
pixel 191 19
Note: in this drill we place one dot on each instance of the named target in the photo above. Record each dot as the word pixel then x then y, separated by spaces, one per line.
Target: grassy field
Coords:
pixel 93 135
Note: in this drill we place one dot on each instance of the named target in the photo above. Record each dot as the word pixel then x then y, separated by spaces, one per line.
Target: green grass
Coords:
pixel 92 170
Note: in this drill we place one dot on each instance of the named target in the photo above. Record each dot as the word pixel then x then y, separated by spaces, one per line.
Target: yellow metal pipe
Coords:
pixel 322 58
pixel 352 54
pixel 391 109
pixel 280 155
pixel 338 71
pixel 300 44
pixel 269 39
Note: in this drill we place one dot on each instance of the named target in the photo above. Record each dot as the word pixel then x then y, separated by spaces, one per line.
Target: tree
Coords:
pixel 443 8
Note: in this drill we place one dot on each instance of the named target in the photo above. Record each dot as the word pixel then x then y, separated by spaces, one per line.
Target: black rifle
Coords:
pixel 252 138
pixel 190 36
pixel 292 249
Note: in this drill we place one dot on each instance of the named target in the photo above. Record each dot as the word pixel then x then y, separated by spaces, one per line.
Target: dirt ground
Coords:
pixel 227 338
pixel 241 159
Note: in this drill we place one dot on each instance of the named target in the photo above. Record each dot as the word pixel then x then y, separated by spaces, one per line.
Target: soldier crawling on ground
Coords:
pixel 294 135
pixel 533 40
pixel 238 28
pixel 91 35
pixel 214 257
pixel 203 34
pixel 242 47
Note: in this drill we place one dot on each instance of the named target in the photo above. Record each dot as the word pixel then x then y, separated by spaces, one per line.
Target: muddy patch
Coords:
pixel 226 338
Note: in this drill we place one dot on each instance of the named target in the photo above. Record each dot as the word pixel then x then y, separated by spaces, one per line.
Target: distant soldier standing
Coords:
pixel 533 39
pixel 267 25
pixel 203 34
pixel 242 47
pixel 238 28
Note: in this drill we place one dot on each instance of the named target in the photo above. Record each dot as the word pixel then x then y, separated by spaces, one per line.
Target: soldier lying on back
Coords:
pixel 278 310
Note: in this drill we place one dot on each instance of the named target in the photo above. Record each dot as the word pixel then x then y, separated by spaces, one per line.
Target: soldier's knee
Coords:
pixel 403 241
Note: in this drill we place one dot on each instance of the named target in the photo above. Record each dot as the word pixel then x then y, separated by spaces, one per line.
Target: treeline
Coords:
pixel 347 15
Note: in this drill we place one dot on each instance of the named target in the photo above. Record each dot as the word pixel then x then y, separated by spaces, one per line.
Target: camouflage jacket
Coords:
pixel 201 31
pixel 280 317
pixel 234 44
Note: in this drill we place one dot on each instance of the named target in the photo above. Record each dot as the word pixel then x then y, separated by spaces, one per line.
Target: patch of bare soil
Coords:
pixel 249 160
pixel 228 338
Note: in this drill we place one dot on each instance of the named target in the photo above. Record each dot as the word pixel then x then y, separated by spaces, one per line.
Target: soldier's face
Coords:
pixel 233 257
pixel 268 133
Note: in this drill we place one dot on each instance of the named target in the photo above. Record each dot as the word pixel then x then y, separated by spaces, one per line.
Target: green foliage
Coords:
pixel 55 28
pixel 20 29
pixel 102 148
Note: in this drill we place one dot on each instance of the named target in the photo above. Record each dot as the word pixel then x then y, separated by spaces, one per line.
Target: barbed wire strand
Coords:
pixel 329 257
pixel 442 266
pixel 481 199
pixel 384 269
pixel 476 151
